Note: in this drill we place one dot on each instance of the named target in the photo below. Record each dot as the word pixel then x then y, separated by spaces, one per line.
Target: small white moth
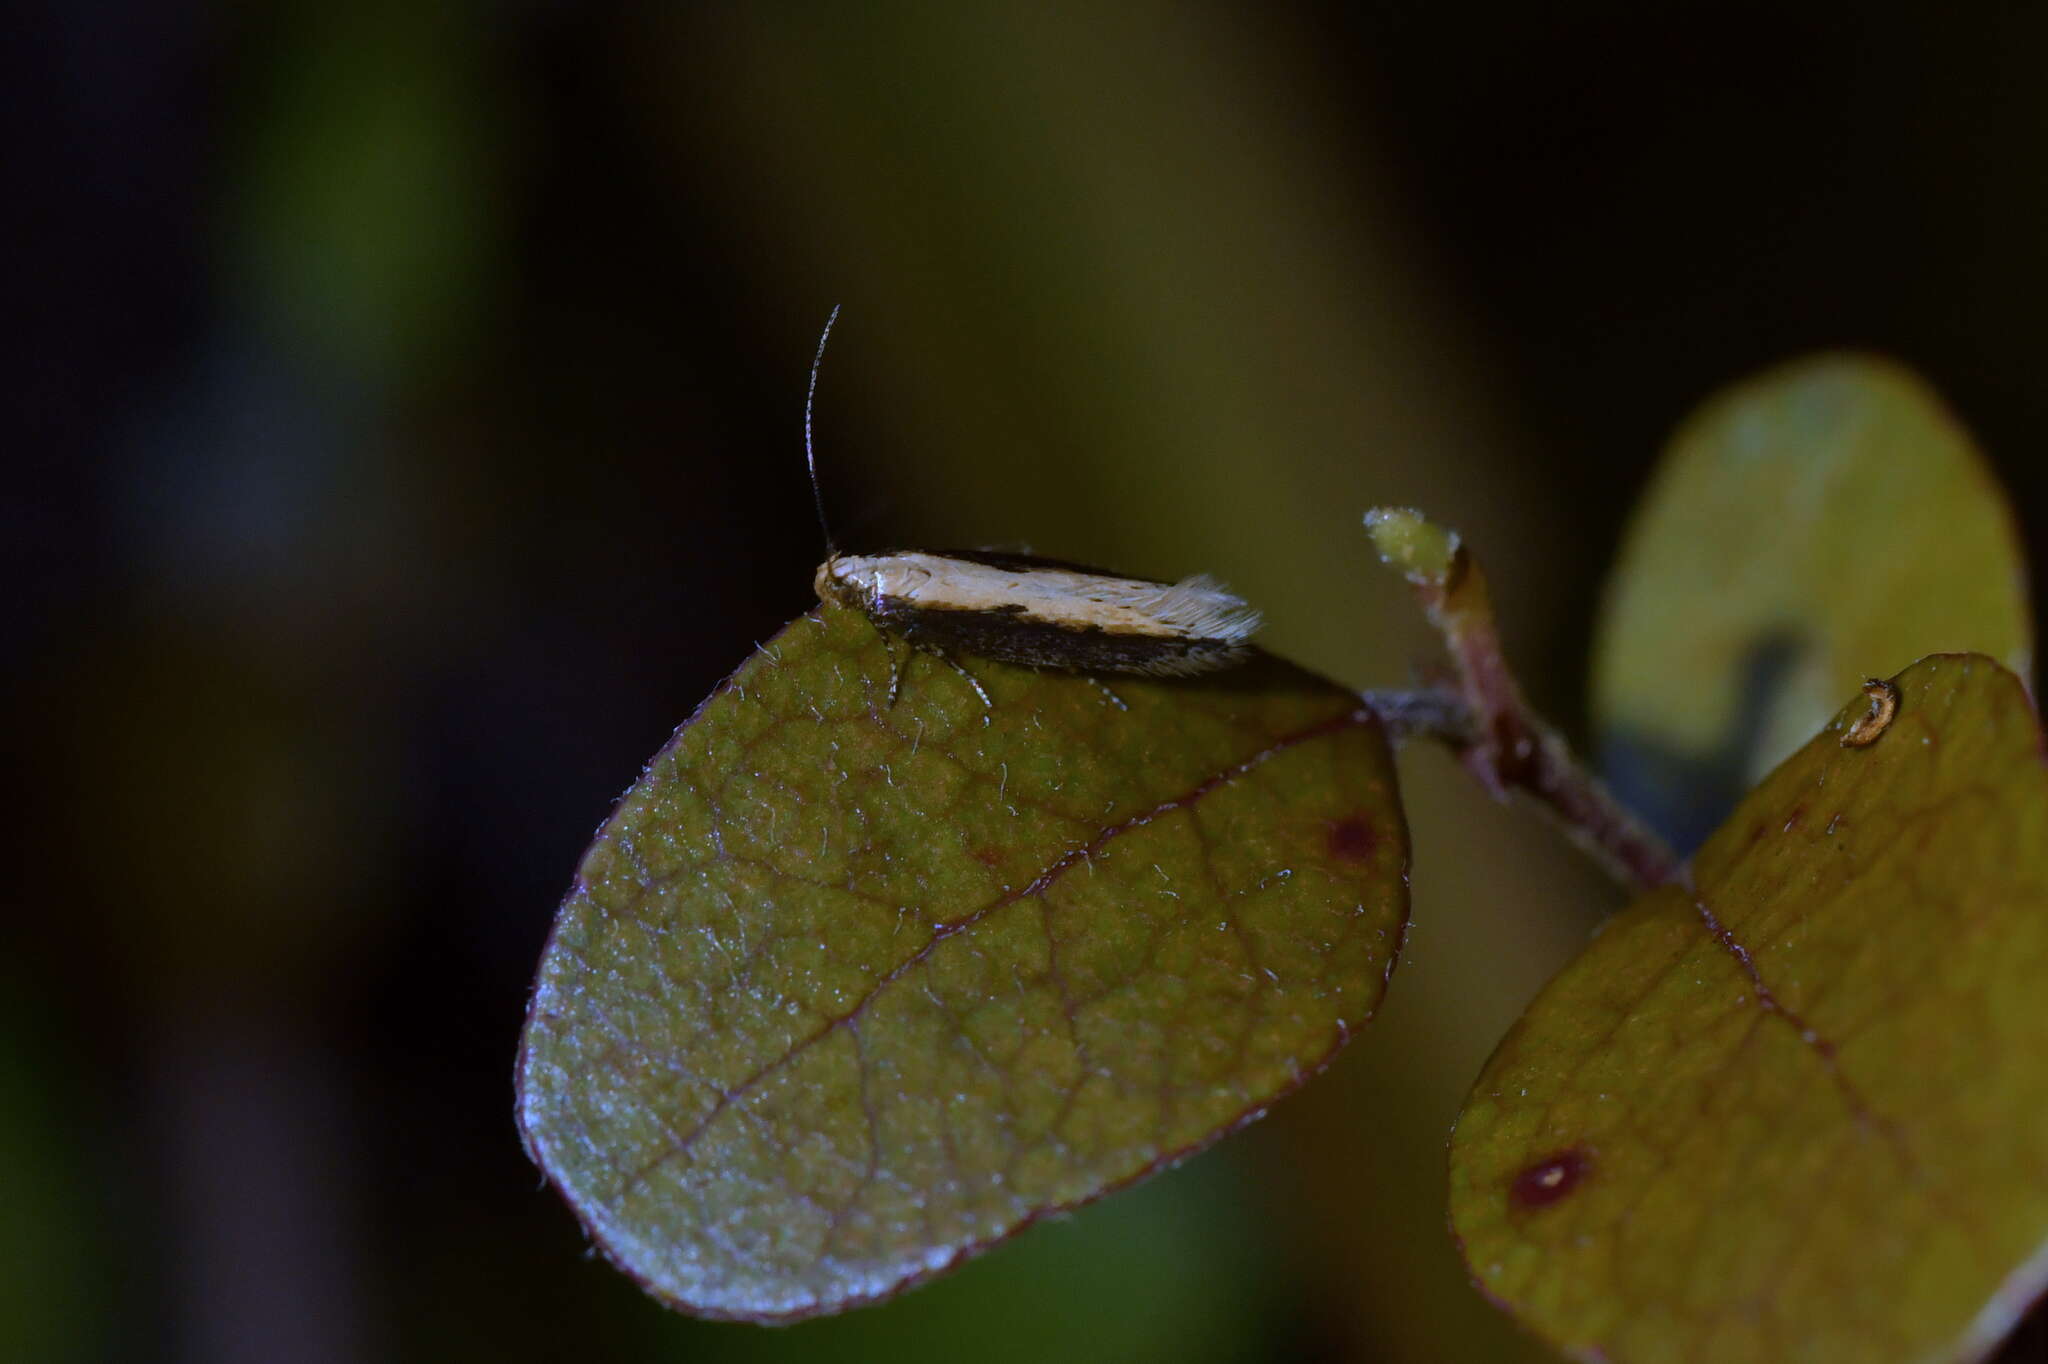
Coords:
pixel 1017 608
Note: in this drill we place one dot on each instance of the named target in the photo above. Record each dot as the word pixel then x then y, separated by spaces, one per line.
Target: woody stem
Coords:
pixel 1486 722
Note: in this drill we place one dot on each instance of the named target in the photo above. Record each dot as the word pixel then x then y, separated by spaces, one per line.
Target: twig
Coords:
pixel 1485 721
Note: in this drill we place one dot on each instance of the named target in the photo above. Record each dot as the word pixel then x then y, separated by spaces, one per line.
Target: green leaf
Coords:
pixel 845 992
pixel 1820 523
pixel 1182 1269
pixel 1795 1110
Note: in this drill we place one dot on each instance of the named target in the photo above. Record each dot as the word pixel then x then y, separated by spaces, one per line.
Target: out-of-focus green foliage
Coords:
pixel 50 1273
pixel 368 217
pixel 1174 1269
pixel 1791 1109
pixel 846 991
pixel 1812 526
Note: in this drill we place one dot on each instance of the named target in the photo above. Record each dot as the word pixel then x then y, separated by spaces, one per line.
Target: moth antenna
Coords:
pixel 810 454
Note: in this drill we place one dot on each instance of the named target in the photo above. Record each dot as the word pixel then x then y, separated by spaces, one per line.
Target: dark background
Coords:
pixel 403 406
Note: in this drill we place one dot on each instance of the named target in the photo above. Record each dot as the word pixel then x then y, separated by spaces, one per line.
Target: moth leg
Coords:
pixel 918 645
pixel 987 706
pixel 895 669
pixel 1103 687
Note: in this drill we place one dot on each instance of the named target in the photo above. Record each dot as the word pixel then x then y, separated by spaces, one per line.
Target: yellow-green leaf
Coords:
pixel 1797 1108
pixel 844 992
pixel 1820 523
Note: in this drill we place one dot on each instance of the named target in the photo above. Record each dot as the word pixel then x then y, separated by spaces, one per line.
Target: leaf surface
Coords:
pixel 844 992
pixel 1795 1108
pixel 1822 522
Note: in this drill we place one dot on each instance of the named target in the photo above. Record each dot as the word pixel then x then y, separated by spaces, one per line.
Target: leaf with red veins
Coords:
pixel 1794 1108
pixel 845 992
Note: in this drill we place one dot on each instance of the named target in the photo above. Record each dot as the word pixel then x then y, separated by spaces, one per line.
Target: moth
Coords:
pixel 1018 608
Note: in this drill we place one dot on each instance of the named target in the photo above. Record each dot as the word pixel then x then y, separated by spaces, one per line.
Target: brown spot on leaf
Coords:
pixel 1549 1179
pixel 1353 838
pixel 988 857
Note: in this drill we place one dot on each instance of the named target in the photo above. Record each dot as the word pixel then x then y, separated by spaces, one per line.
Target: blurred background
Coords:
pixel 403 405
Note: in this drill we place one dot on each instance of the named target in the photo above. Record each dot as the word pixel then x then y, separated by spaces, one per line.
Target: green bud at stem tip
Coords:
pixel 1408 541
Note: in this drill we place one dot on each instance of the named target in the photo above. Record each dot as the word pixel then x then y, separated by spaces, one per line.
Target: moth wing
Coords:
pixel 1200 608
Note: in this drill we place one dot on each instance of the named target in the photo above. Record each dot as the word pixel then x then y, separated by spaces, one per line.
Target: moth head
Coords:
pixel 848 580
